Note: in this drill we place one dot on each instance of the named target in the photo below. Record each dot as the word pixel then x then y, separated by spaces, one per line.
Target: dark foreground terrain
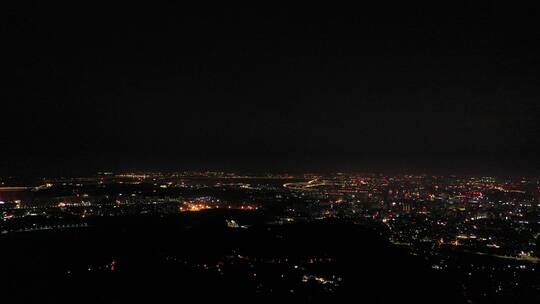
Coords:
pixel 196 257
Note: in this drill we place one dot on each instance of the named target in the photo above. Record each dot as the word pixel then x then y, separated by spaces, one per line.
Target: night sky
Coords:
pixel 448 88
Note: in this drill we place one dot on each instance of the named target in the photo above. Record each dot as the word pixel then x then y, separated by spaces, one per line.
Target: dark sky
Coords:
pixel 439 88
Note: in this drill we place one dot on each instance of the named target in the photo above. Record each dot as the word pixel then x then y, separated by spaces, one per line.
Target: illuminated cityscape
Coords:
pixel 482 231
